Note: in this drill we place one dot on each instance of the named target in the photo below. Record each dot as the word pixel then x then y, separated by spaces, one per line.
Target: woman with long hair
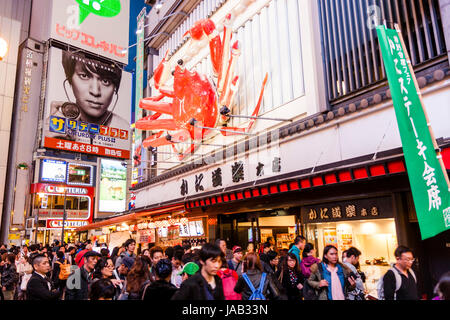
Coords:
pixel 331 279
pixel 253 274
pixel 137 279
pixel 290 277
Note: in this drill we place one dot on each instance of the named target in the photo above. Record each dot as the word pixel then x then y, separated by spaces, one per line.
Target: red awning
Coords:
pixel 131 217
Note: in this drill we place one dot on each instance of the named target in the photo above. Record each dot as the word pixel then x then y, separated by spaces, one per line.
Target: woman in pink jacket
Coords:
pixel 308 259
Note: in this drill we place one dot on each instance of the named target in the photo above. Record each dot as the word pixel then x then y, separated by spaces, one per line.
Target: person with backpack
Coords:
pixel 352 261
pixel 254 284
pixel 229 279
pixel 291 278
pixel 330 279
pixel 400 282
pixel 59 273
pixel 206 284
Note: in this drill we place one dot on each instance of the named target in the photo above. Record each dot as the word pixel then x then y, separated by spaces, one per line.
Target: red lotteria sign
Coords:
pixel 60 189
pixel 73 214
pixel 70 224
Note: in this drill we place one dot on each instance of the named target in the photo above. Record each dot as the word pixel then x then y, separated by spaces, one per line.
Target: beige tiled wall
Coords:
pixel 14 23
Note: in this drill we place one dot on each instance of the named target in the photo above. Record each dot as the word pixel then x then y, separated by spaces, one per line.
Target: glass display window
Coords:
pixel 376 239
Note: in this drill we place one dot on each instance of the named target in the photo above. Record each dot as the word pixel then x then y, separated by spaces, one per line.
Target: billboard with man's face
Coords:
pixel 88 106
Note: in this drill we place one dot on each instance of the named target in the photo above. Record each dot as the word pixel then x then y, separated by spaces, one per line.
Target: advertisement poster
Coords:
pixel 98 26
pixel 113 186
pixel 330 237
pixel 79 174
pixel 87 106
pixel 53 170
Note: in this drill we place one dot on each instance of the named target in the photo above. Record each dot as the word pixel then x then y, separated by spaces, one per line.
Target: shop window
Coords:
pixel 84 203
pixel 376 239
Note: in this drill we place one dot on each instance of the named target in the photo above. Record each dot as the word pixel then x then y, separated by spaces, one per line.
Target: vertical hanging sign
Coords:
pixel 139 82
pixel 426 172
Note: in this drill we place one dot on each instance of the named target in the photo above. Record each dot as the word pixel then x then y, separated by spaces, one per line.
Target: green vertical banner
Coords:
pixel 139 80
pixel 427 178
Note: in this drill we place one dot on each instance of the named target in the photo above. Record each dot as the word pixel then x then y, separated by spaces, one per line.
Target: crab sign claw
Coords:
pixel 206 30
pixel 162 72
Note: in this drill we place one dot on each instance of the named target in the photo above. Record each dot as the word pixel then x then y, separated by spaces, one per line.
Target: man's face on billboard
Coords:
pixel 93 93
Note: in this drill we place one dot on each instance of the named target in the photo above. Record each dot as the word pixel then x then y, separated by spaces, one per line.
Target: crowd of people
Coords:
pixel 86 271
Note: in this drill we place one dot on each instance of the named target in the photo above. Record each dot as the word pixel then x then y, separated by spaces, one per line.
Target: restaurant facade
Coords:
pixel 330 168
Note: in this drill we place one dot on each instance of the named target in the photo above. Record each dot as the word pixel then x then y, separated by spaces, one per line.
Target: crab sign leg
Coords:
pixel 153 141
pixel 157 106
pixel 161 124
pixel 225 51
pixel 229 98
pixel 230 72
pixel 238 131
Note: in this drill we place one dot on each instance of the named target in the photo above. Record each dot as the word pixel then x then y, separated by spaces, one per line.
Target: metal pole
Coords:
pixel 37 218
pixel 258 118
pixel 64 216
pixel 225 130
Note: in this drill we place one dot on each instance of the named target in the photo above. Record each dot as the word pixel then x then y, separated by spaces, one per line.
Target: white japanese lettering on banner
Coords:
pixel 434 199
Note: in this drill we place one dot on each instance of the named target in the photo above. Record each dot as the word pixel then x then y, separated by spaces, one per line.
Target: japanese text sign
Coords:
pixel 428 181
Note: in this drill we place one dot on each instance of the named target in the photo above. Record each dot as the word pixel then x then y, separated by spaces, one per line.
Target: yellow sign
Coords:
pixel 14 236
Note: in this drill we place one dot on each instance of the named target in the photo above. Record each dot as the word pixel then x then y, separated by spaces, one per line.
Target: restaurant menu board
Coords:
pixel 147 236
pixel 192 229
pixel 330 237
pixel 184 230
pixel 345 240
pixel 199 227
pixel 163 232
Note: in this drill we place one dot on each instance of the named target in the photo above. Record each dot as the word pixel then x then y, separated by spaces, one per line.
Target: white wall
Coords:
pixel 14 21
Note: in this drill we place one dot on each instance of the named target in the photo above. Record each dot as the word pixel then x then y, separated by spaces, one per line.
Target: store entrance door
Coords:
pixel 238 229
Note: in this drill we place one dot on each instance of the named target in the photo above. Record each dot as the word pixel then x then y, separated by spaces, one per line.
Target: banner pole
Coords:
pixel 430 129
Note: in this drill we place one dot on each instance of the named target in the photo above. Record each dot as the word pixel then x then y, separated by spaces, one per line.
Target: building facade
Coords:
pixel 331 166
pixel 70 131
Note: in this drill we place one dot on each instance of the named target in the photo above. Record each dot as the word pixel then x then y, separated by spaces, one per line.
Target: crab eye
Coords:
pixel 180 62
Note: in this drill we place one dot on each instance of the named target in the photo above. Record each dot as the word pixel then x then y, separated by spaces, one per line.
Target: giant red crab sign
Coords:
pixel 199 105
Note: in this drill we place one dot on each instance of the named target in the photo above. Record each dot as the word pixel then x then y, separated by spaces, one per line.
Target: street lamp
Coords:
pixel 3 48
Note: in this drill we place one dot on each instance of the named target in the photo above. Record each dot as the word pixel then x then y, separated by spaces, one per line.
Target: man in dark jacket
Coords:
pixel 79 281
pixel 206 284
pixel 39 287
pixel 161 288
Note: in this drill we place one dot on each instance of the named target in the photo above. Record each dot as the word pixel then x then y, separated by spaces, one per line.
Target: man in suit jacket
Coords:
pixel 39 287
